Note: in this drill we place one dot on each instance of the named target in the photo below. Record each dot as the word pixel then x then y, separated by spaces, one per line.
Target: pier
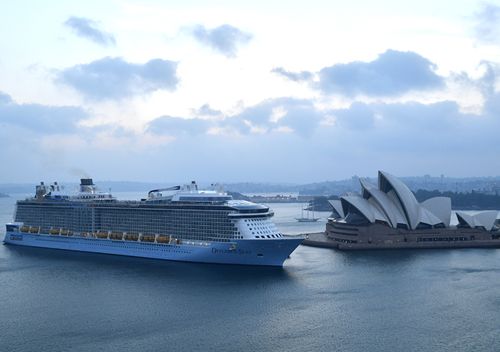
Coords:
pixel 318 239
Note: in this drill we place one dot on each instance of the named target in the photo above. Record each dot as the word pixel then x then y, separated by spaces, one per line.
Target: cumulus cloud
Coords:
pixel 5 98
pixel 87 28
pixel 420 132
pixel 358 116
pixel 114 78
pixel 173 126
pixel 487 82
pixel 282 114
pixel 441 116
pixel 207 110
pixel 392 73
pixel 38 118
pixel 25 130
pixel 293 76
pixel 487 28
pixel 297 115
pixel 408 138
pixel 275 136
pixel 224 39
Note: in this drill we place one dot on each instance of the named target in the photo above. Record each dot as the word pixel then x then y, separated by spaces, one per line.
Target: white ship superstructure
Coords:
pixel 177 223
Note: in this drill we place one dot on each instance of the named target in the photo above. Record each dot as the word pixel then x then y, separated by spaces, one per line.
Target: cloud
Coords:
pixel 419 132
pixel 298 115
pixel 442 116
pixel 274 136
pixel 173 126
pixel 487 28
pixel 114 78
pixel 392 73
pixel 207 110
pixel 407 138
pixel 487 82
pixel 87 28
pixel 358 116
pixel 224 39
pixel 5 98
pixel 293 76
pixel 41 119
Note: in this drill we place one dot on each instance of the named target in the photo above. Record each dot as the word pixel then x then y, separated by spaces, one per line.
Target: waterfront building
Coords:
pixel 389 216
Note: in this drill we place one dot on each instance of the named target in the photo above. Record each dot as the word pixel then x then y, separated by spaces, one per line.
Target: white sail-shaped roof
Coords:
pixel 397 204
pixel 484 219
pixel 440 207
pixel 337 207
pixel 360 204
pixel 394 203
pixel 391 211
pixel 465 219
pixel 378 212
pixel 388 182
pixel 371 212
pixel 428 218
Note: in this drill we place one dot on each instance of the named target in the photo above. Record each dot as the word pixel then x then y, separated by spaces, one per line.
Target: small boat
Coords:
pixel 54 231
pixel 147 238
pixel 163 239
pixel 131 236
pixel 307 218
pixel 102 234
pixel 116 236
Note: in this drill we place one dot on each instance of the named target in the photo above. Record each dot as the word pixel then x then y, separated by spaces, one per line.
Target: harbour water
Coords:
pixel 322 300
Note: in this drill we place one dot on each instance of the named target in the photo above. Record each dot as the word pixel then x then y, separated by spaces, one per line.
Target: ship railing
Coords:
pixel 114 235
pixel 267 214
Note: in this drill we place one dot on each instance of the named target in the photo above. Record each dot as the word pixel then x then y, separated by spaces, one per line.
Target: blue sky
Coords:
pixel 248 91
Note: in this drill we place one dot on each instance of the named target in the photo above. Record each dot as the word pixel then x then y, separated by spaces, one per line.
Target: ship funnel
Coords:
pixel 41 190
pixel 86 182
pixel 86 185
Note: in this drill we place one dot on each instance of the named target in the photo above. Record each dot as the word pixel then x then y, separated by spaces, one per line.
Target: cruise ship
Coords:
pixel 180 223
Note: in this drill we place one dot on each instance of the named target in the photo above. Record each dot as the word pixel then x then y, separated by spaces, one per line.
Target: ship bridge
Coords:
pixel 248 209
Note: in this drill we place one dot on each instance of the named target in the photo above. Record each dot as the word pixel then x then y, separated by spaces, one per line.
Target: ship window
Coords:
pixel 12 228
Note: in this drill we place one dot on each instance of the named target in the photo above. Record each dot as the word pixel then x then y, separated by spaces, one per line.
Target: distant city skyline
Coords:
pixel 485 185
pixel 234 91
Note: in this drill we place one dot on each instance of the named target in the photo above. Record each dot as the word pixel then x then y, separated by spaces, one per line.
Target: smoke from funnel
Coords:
pixel 79 173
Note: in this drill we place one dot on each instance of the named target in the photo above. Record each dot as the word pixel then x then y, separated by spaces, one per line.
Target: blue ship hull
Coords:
pixel 272 252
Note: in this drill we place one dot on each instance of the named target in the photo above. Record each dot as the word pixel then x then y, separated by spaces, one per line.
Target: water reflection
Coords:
pixel 63 261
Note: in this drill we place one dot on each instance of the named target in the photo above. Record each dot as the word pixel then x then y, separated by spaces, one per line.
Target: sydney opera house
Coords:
pixel 389 216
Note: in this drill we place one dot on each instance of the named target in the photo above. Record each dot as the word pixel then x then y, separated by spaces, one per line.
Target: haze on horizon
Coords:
pixel 237 91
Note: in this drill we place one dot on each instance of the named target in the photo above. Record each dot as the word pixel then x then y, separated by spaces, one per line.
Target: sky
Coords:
pixel 257 91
